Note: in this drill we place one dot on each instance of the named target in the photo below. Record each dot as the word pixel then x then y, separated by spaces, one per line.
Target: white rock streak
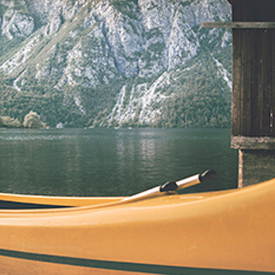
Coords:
pixel 144 103
pixel 223 72
pixel 20 57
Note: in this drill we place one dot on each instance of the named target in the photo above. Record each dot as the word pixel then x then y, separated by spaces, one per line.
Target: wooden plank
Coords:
pixel 252 143
pixel 239 25
pixel 246 76
pixel 272 100
pixel 238 10
pixel 236 71
pixel 256 84
pixel 266 79
pixel 253 10
pixel 237 82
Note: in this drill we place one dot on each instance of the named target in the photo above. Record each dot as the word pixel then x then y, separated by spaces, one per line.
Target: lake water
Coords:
pixel 107 162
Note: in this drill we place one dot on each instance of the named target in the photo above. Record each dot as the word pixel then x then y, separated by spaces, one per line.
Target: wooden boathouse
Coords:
pixel 253 95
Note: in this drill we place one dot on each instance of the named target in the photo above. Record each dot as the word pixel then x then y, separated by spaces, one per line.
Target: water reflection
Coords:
pixel 111 162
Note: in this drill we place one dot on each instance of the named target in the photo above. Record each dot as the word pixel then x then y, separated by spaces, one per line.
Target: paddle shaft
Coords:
pixel 169 187
pixel 184 183
pixel 172 186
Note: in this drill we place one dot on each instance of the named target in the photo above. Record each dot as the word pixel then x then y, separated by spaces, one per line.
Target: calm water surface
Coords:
pixel 103 162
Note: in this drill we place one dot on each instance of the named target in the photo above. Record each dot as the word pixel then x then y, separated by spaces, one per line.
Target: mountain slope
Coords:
pixel 116 62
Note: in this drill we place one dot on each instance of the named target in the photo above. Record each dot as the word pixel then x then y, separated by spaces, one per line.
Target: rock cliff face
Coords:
pixel 116 62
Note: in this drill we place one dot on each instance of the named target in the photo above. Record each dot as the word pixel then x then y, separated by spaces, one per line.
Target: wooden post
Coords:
pixel 253 95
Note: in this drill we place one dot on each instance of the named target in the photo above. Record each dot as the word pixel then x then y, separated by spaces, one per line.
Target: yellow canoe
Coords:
pixel 224 232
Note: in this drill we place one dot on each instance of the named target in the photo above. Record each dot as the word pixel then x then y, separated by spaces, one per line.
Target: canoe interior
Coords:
pixel 21 205
pixel 32 202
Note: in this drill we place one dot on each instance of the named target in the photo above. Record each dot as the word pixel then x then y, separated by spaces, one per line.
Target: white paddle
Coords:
pixel 172 186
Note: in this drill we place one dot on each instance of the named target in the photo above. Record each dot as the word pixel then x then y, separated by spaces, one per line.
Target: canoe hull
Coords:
pixel 65 266
pixel 58 266
pixel 232 230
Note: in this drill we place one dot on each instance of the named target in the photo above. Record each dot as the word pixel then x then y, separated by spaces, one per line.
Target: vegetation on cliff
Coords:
pixel 115 63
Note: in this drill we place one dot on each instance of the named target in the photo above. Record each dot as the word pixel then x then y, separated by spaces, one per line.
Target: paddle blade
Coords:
pixel 207 175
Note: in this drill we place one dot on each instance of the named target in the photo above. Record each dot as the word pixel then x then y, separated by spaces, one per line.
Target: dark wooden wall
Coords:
pixel 253 95
pixel 253 98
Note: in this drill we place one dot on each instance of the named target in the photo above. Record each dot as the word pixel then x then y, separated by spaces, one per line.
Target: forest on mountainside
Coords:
pixel 115 63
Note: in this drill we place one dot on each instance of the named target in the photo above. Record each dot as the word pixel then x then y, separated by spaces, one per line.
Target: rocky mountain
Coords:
pixel 116 62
